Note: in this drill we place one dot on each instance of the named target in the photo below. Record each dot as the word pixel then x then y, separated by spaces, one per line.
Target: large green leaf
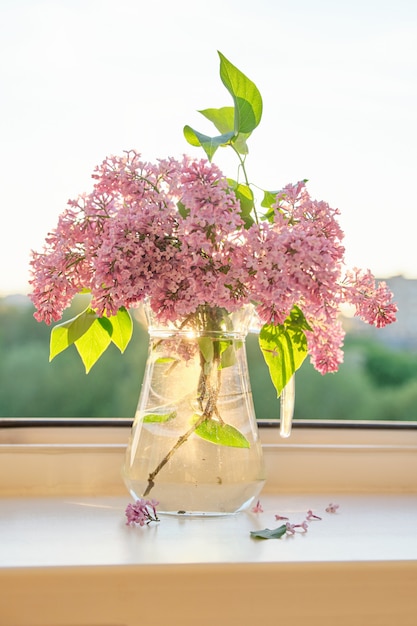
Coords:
pixel 221 434
pixel 284 347
pixel 92 335
pixel 94 342
pixel 246 97
pixel 65 334
pixel 223 118
pixel 122 328
pixel 224 121
pixel 209 144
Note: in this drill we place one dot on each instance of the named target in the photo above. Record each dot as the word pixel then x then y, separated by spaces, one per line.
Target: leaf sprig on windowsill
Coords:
pixel 288 528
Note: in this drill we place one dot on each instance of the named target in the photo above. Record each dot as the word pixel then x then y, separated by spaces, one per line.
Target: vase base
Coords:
pixel 188 514
pixel 207 501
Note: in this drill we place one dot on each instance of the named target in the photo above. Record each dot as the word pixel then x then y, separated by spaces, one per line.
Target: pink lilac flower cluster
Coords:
pixel 173 231
pixel 141 512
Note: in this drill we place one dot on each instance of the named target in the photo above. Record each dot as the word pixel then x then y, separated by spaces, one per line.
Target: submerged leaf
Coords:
pixel 221 434
pixel 206 348
pixel 227 354
pixel 160 418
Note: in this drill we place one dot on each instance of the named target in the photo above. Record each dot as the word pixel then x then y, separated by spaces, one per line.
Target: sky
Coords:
pixel 84 79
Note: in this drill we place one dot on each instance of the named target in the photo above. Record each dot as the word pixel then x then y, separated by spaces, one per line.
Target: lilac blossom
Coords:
pixel 172 231
pixel 141 512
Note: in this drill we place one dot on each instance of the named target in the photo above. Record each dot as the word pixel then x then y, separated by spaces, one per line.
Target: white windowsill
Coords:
pixel 65 549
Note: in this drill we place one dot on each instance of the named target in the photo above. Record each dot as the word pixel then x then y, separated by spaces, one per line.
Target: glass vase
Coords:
pixel 194 445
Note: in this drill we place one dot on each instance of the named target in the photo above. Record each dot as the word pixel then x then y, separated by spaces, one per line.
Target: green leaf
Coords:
pixel 240 144
pixel 284 347
pixel 221 434
pixel 65 334
pixel 224 119
pixel 246 97
pixel 182 209
pixel 122 328
pixel 268 200
pixel 266 533
pixel 94 342
pixel 246 199
pixel 209 144
pixel 160 418
pixel 206 348
pixel 227 354
pixel 92 335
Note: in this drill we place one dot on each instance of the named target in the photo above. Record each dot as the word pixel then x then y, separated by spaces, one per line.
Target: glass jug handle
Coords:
pixel 287 401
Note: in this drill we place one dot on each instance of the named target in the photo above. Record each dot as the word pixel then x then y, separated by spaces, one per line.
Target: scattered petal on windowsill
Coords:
pixel 332 508
pixel 289 528
pixel 257 508
pixel 311 516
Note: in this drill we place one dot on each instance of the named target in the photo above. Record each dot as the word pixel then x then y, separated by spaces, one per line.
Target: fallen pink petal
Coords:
pixel 332 508
pixel 257 508
pixel 312 516
pixel 290 528
pixel 282 517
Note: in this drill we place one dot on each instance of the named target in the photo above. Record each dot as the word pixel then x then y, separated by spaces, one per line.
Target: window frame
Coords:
pixel 51 457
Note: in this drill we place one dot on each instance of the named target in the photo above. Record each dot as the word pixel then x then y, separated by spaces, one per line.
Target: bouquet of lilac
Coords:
pixel 186 237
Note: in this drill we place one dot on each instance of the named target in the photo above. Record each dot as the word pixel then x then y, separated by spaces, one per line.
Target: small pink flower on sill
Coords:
pixel 292 528
pixel 141 512
pixel 257 508
pixel 332 508
pixel 278 517
pixel 311 516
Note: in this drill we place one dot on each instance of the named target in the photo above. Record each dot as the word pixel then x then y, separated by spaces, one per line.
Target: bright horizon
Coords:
pixel 83 80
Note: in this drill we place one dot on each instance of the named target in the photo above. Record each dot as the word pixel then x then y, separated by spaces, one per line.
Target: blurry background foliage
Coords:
pixel 375 382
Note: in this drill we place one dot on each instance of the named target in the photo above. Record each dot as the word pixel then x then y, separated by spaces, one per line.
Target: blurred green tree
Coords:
pixel 373 383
